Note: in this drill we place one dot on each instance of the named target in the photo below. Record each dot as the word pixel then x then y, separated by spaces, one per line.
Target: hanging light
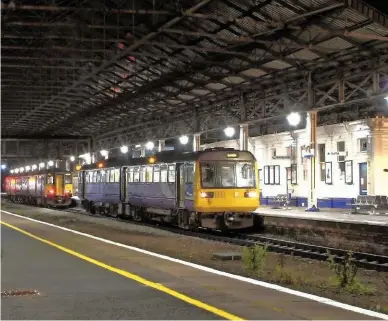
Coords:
pixel 150 145
pixel 293 119
pixel 184 139
pixel 104 153
pixel 229 131
pixel 124 149
pixel 50 163
pixel 72 158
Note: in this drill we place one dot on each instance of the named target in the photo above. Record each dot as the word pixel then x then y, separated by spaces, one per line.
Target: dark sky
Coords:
pixel 381 5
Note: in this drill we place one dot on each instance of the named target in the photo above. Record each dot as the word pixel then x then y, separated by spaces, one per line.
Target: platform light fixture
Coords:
pixel 3 166
pixel 72 158
pixel 21 169
pixel 34 167
pixel 12 171
pixel 28 168
pixel 50 163
pixel 104 153
pixel 17 170
pixel 386 98
pixel 184 139
pixel 41 165
pixel 124 149
pixel 229 131
pixel 138 146
pixel 150 145
pixel 293 119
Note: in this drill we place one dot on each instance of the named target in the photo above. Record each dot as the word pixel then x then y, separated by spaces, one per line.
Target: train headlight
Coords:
pixel 207 194
pixel 251 194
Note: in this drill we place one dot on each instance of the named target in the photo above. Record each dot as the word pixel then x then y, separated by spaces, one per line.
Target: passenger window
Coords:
pixel 50 180
pixel 142 174
pixel 98 175
pixel 117 175
pixel 156 178
pixel 130 175
pixel 163 174
pixel 189 177
pixel 149 174
pixel 94 176
pixel 111 175
pixel 136 175
pixel 171 173
pixel 103 177
pixel 86 177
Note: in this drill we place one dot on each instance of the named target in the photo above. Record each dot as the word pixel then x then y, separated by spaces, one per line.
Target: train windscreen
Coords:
pixel 228 175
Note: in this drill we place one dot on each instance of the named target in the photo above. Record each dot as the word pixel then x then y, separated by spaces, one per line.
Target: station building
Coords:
pixel 350 159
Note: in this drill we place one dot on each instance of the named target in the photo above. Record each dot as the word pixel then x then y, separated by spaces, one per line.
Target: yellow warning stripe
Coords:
pixel 134 277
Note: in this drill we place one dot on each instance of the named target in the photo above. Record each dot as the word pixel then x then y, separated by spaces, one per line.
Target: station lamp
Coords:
pixel 3 166
pixel 229 131
pixel 34 167
pixel 12 171
pixel 50 163
pixel 104 153
pixel 72 158
pixel 17 170
pixel 124 149
pixel 138 146
pixel 21 169
pixel 41 165
pixel 150 145
pixel 386 98
pixel 184 139
pixel 293 119
pixel 28 168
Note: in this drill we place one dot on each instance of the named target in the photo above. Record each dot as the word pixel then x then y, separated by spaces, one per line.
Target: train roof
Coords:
pixel 177 156
pixel 40 172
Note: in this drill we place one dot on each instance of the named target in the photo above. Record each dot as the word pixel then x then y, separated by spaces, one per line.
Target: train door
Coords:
pixel 82 183
pixel 180 185
pixel 124 184
pixel 363 169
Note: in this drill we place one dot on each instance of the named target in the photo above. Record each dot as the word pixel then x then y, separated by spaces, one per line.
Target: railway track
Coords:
pixel 305 250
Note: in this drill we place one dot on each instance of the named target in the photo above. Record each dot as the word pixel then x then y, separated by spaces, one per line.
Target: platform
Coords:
pixel 107 281
pixel 332 215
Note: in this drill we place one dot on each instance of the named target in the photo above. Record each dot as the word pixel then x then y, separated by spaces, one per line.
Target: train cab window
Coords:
pixel 130 175
pixel 208 175
pixel 111 175
pixel 156 178
pixel 136 175
pixel 189 173
pixel 50 180
pixel 227 175
pixel 163 174
pixel 117 175
pixel 171 173
pixel 245 174
pixel 68 179
pixel 149 174
pixel 142 174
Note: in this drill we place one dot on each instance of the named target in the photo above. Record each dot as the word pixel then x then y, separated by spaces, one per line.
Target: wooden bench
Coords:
pixel 281 201
pixel 370 204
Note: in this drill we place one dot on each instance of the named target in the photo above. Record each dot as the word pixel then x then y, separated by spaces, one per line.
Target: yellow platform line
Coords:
pixel 132 276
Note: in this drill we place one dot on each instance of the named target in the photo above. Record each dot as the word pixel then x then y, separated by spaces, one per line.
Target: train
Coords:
pixel 46 187
pixel 213 189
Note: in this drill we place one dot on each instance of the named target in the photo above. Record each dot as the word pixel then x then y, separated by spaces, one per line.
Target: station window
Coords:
pixel 171 173
pixel 136 175
pixel 341 157
pixel 363 145
pixel 163 174
pixel 322 160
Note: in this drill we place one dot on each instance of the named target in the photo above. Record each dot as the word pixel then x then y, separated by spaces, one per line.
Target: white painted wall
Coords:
pixel 350 133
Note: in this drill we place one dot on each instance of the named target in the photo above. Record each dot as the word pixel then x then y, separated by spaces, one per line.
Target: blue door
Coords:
pixel 363 178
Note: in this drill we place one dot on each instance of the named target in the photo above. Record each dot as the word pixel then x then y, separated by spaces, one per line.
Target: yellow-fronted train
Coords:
pixel 214 188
